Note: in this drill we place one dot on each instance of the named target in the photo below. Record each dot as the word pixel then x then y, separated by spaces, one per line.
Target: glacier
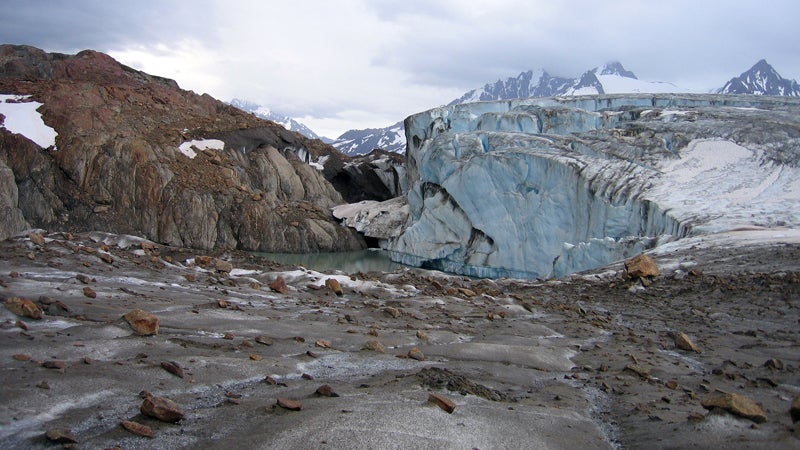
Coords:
pixel 544 187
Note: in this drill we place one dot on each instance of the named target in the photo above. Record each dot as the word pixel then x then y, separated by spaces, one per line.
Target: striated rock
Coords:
pixel 442 402
pixel 23 307
pixel 109 118
pixel 794 410
pixel 143 323
pixel 641 266
pixel 279 285
pixel 736 404
pixel 374 346
pixel 137 428
pixel 162 409
pixel 291 405
pixel 683 342
pixel 333 285
pixel 61 436
pixel 417 354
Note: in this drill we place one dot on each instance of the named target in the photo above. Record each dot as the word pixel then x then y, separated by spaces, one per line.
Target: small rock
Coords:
pixel 323 343
pixel 671 384
pixel 228 336
pixel 222 303
pixel 774 364
pixel 279 286
pixel 466 292
pixel 375 346
pixel 291 405
pixel 202 261
pixel 683 342
pixel 89 292
pixel 143 323
pixel 392 311
pixel 36 238
pixel 137 428
pixel 736 404
pixel 106 257
pixel 417 354
pixel 87 360
pixel 43 384
pixel 21 324
pixel 641 266
pixel 83 278
pixel 443 402
pixel 255 357
pixel 190 277
pixel 24 307
pixel 326 391
pixel 307 376
pixel 794 410
pixel 422 335
pixel 223 266
pixel 265 340
pixel 61 436
pixel 333 285
pixel 58 365
pixel 173 368
pixel 638 370
pixel 22 357
pixel 162 409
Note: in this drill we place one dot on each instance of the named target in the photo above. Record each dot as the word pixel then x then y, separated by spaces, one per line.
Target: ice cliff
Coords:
pixel 545 187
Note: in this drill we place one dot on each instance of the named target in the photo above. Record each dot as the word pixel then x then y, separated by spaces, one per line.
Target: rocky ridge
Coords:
pixel 117 165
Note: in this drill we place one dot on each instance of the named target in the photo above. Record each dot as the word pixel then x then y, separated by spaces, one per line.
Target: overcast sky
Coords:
pixel 343 64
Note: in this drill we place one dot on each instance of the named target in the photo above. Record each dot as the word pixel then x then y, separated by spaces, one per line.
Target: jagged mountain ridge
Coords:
pixel 761 79
pixel 287 122
pixel 611 78
pixel 606 79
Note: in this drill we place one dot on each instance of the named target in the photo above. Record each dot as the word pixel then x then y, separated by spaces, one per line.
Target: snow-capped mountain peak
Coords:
pixel 266 113
pixel 761 79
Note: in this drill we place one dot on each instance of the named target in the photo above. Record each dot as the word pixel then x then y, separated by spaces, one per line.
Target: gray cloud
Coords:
pixel 359 63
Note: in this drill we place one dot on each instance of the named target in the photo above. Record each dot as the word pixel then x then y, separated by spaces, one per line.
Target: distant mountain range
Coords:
pixel 611 78
pixel 287 122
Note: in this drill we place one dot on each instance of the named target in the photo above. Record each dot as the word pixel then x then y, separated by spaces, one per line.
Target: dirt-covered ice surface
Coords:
pixel 590 361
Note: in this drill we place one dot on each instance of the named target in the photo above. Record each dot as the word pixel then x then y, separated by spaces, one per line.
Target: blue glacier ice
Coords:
pixel 539 188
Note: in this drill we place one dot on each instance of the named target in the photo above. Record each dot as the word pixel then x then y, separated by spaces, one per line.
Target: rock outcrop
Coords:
pixel 545 187
pixel 117 166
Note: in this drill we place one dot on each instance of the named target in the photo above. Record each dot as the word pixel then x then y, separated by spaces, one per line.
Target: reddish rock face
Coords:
pixel 117 166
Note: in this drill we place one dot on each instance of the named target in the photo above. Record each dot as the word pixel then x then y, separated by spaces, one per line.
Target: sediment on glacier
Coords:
pixel 546 187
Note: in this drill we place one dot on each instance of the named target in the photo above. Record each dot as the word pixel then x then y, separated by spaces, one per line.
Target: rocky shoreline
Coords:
pixel 703 355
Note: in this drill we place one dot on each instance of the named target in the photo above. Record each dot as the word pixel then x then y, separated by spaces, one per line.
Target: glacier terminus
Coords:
pixel 545 187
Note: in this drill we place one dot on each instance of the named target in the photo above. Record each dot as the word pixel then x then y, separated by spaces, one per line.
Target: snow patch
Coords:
pixel 188 148
pixel 22 117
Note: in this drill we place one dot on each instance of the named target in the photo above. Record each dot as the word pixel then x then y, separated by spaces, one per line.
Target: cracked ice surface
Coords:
pixel 547 187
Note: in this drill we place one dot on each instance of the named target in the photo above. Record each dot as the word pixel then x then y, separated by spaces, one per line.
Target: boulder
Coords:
pixel 162 409
pixel 738 405
pixel 641 266
pixel 24 307
pixel 142 322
